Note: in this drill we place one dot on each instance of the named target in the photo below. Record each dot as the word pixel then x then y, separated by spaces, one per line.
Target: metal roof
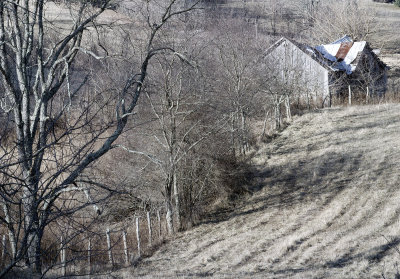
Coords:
pixel 341 55
pixel 343 50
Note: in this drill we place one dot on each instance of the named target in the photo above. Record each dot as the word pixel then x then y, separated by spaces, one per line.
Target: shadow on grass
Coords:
pixel 296 182
pixel 306 179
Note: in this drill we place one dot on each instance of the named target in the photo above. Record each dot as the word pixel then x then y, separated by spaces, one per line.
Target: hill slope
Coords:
pixel 327 207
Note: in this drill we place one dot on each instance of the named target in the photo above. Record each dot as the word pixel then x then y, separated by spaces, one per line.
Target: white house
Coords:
pixel 326 71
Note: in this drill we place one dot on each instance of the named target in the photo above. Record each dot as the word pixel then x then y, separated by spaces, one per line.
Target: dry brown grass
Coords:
pixel 386 35
pixel 329 194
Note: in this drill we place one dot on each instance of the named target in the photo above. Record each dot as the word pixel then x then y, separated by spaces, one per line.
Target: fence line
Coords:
pixel 86 259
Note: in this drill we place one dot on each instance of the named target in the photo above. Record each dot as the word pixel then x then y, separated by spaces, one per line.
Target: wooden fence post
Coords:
pixel 149 226
pixel 349 95
pixel 110 255
pixel 63 256
pixel 138 235
pixel 126 252
pixel 159 223
pixel 3 249
pixel 256 26
pixel 89 256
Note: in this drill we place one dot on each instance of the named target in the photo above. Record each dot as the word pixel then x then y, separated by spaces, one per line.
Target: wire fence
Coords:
pixel 113 246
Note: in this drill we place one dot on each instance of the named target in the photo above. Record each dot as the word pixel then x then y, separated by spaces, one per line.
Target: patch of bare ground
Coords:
pixel 327 207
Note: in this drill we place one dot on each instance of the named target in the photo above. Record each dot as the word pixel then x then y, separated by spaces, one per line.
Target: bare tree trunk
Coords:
pixel 239 132
pixel 233 135
pixel 159 224
pixel 32 227
pixel 13 244
pixel 63 256
pixel 168 203
pixel 89 256
pixel 37 266
pixel 256 27
pixel 4 249
pixel 177 203
pixel 265 124
pixel 109 248
pixel 149 228
pixel 34 251
pixel 11 232
pixel 288 110
pixel 138 236
pixel 244 132
pixel 277 114
pixel 126 252
pixel 169 214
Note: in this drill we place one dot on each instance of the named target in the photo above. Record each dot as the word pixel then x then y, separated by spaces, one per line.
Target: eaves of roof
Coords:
pixel 308 50
pixel 328 60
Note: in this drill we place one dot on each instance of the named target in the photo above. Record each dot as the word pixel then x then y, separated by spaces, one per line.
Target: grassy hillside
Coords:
pixel 386 35
pixel 326 205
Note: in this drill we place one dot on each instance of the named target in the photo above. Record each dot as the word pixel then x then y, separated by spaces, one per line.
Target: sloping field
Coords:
pixel 326 205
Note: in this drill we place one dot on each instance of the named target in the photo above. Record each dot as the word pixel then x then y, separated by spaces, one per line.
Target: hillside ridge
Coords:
pixel 328 207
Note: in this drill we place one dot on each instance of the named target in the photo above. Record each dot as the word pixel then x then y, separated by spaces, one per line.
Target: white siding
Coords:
pixel 299 69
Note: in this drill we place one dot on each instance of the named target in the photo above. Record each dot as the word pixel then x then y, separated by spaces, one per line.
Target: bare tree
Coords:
pixel 177 102
pixel 333 19
pixel 238 76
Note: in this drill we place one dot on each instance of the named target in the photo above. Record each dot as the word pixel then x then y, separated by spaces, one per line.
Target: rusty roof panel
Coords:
pixel 343 50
